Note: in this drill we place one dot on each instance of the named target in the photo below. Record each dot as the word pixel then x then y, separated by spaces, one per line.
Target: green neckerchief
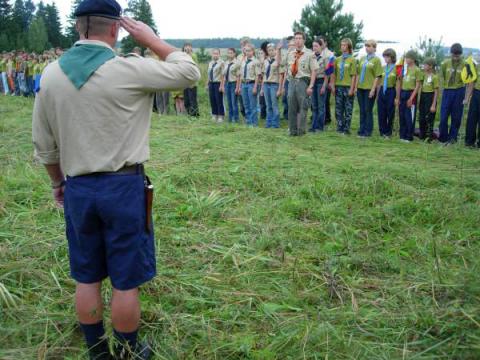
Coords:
pixel 80 62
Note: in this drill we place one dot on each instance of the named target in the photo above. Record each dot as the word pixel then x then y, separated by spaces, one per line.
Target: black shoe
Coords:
pixel 100 352
pixel 141 352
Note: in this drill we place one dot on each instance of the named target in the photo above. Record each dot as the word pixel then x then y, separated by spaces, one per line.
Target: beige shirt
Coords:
pixel 104 125
pixel 275 71
pixel 322 61
pixel 217 70
pixel 306 64
pixel 254 69
pixel 234 71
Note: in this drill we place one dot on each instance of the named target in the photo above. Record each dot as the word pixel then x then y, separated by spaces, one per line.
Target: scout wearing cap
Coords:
pixel 91 123
pixel 453 95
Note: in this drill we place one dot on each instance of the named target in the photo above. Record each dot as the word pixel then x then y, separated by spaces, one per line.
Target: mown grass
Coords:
pixel 269 247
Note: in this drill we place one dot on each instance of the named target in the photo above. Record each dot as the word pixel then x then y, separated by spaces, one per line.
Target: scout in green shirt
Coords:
pixel 345 71
pixel 369 72
pixel 453 95
pixel 472 134
pixel 387 94
pixel 452 71
pixel 343 83
pixel 369 69
pixel 409 85
pixel 428 100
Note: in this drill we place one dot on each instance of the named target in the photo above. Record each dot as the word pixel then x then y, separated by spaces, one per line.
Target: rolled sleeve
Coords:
pixel 178 71
pixel 46 151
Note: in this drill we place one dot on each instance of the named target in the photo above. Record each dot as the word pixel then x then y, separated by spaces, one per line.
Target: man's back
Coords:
pixel 104 125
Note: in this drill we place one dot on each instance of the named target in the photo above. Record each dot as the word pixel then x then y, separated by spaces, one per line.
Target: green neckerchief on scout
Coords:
pixel 83 60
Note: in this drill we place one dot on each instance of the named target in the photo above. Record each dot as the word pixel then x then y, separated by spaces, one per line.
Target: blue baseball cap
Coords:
pixel 101 8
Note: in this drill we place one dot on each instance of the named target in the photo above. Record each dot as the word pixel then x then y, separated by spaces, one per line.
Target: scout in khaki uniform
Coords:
pixel 369 73
pixel 472 135
pixel 273 73
pixel 320 90
pixel 229 85
pixel 290 41
pixel 215 75
pixel 387 93
pixel 409 87
pixel 93 140
pixel 190 95
pixel 343 86
pixel 247 84
pixel 453 95
pixel 302 69
pixel 428 100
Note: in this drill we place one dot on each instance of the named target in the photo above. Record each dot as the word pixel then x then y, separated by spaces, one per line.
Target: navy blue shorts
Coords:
pixel 105 219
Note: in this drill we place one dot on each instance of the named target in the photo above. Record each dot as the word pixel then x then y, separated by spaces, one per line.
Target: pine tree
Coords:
pixel 29 12
pixel 142 11
pixel 37 35
pixel 17 26
pixel 5 24
pixel 325 17
pixel 54 26
pixel 71 32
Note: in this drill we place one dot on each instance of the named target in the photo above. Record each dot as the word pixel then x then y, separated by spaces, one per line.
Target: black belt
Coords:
pixel 248 81
pixel 271 82
pixel 232 82
pixel 137 169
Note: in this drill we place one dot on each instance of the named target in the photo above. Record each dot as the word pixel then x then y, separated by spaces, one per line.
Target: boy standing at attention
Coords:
pixel 453 95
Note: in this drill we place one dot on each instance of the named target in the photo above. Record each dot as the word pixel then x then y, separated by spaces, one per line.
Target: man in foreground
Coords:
pixel 90 129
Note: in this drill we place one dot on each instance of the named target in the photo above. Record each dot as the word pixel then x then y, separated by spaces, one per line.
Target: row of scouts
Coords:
pixel 306 78
pixel 20 71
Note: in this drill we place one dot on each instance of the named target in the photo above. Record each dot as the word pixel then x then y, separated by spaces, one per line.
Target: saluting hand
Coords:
pixel 141 32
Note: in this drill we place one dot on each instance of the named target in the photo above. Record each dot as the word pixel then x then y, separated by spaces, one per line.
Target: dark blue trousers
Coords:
pixel 216 99
pixel 386 111
pixel 407 116
pixel 366 105
pixel 473 121
pixel 452 105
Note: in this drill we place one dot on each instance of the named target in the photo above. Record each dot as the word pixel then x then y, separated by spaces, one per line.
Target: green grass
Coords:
pixel 268 247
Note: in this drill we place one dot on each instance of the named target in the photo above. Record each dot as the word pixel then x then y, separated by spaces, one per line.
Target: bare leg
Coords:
pixel 89 303
pixel 125 310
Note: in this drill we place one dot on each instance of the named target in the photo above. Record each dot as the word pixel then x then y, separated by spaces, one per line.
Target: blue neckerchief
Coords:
pixel 246 69
pixel 342 65
pixel 211 72
pixel 269 67
pixel 387 74
pixel 228 72
pixel 364 68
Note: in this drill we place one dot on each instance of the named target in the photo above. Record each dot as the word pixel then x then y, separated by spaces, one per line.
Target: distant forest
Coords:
pixel 222 43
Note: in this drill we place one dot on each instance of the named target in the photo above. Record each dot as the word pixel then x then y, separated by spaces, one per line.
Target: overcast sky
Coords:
pixel 405 21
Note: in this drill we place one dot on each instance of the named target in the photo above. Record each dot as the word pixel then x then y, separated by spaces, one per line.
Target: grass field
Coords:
pixel 269 247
